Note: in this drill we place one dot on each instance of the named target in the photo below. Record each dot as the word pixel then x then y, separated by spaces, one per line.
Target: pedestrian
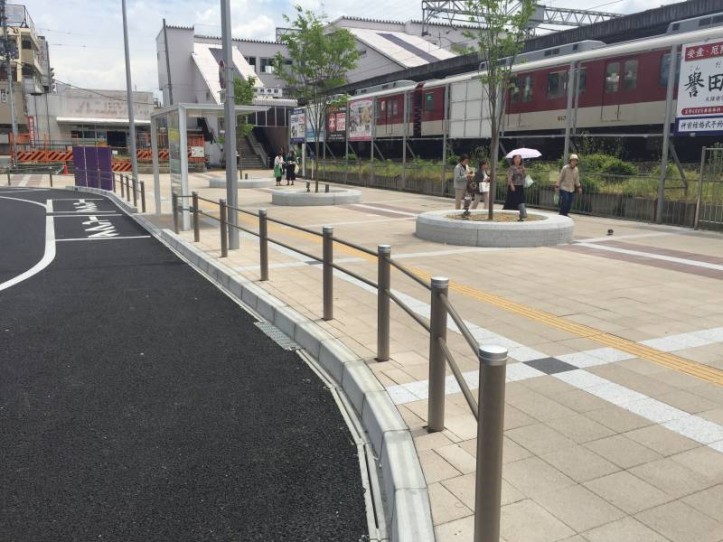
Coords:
pixel 568 182
pixel 460 178
pixel 516 187
pixel 279 166
pixel 482 180
pixel 290 167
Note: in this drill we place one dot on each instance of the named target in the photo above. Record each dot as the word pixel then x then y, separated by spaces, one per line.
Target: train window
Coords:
pixel 665 69
pixel 527 89
pixel 515 91
pixel 630 81
pixel 612 77
pixel 581 80
pixel 382 105
pixel 395 107
pixel 556 85
pixel 429 101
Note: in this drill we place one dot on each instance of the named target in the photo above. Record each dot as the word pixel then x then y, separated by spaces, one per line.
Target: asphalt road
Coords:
pixel 139 403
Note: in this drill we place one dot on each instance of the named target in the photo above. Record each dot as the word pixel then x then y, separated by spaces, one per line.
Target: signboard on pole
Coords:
pixel 360 119
pixel 700 89
pixel 297 125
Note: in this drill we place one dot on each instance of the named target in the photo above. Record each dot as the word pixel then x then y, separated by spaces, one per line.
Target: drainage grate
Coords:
pixel 278 336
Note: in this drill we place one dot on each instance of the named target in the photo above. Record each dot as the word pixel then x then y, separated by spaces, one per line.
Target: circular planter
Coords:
pixel 551 230
pixel 301 198
pixel 220 182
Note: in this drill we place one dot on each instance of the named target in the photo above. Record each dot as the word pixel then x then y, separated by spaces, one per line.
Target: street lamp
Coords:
pixel 129 92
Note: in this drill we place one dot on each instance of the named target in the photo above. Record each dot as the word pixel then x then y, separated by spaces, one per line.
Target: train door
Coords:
pixel 610 103
pixel 417 107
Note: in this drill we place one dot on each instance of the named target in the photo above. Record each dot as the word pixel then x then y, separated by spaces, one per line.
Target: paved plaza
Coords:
pixel 614 400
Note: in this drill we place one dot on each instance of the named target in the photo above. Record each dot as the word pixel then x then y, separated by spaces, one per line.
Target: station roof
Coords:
pixel 405 49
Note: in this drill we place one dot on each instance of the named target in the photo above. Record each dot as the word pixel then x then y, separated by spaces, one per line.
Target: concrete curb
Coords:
pixel 406 500
pixel 220 182
pixel 552 230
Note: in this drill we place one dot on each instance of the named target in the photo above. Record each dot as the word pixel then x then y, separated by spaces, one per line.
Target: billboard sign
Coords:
pixel 700 89
pixel 312 116
pixel 360 119
pixel 297 125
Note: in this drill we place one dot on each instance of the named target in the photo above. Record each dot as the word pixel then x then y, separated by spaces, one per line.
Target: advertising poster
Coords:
pixel 297 125
pixel 311 118
pixel 360 119
pixel 700 89
pixel 174 152
pixel 336 123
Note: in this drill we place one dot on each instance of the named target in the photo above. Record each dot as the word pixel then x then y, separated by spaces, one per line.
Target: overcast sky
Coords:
pixel 86 36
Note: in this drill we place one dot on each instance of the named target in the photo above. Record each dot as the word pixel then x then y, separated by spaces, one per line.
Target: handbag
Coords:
pixel 556 198
pixel 528 181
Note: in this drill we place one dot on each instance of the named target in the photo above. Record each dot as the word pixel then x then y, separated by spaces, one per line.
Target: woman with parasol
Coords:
pixel 516 175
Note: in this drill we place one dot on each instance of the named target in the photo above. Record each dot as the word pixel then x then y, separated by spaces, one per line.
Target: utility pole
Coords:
pixel 9 71
pixel 129 91
pixel 230 125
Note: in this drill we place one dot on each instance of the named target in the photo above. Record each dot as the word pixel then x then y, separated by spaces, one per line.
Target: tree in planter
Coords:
pixel 320 59
pixel 243 95
pixel 500 30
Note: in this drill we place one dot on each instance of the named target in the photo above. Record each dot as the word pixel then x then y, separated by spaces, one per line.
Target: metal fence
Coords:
pixel 631 197
pixel 709 198
pixel 489 413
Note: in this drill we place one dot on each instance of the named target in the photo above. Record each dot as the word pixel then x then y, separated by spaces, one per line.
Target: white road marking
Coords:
pixel 382 209
pixel 104 238
pixel 651 256
pixel 49 254
pixel 24 181
pixel 381 220
pixel 619 237
pixel 82 215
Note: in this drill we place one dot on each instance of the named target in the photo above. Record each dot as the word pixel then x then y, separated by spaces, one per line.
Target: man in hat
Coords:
pixel 568 182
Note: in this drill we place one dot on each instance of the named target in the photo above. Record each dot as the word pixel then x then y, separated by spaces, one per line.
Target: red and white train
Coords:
pixel 621 90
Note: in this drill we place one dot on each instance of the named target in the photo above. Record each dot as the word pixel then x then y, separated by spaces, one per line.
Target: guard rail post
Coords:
pixel 143 196
pixel 128 188
pixel 384 285
pixel 113 173
pixel 196 226
pixel 437 365
pixel 50 170
pixel 8 172
pixel 328 272
pixel 488 484
pixel 135 192
pixel 263 244
pixel 174 204
pixel 123 188
pixel 224 227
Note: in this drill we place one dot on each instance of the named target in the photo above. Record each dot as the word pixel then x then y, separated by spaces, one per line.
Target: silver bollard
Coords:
pixel 437 363
pixel 263 245
pixel 490 427
pixel 328 272
pixel 223 217
pixel 143 196
pixel 196 224
pixel 384 284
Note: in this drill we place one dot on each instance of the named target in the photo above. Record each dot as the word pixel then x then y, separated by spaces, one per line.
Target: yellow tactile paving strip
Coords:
pixel 665 359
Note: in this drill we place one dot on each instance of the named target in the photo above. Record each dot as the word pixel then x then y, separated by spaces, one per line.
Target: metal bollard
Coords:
pixel 196 225
pixel 246 176
pixel 437 365
pixel 328 272
pixel 383 301
pixel 326 188
pixel 128 188
pixel 135 192
pixel 488 484
pixel 174 204
pixel 308 186
pixel 8 172
pixel 113 173
pixel 51 177
pixel 263 245
pixel 143 196
pixel 123 188
pixel 223 214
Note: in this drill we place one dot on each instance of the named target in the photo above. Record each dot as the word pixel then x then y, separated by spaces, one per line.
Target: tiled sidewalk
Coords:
pixel 614 415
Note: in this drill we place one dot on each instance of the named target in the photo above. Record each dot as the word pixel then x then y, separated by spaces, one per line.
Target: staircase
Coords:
pixel 248 158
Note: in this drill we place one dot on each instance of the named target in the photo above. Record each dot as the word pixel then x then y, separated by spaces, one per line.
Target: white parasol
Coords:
pixel 524 153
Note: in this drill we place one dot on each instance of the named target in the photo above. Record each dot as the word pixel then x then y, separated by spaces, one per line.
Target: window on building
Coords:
pixel 252 61
pixel 267 65
pixel 612 77
pixel 429 101
pixel 630 81
pixel 556 85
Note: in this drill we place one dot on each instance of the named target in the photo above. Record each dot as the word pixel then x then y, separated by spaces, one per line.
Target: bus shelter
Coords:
pixel 175 119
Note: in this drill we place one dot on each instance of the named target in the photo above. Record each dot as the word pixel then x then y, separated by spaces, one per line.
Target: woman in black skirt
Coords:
pixel 515 199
